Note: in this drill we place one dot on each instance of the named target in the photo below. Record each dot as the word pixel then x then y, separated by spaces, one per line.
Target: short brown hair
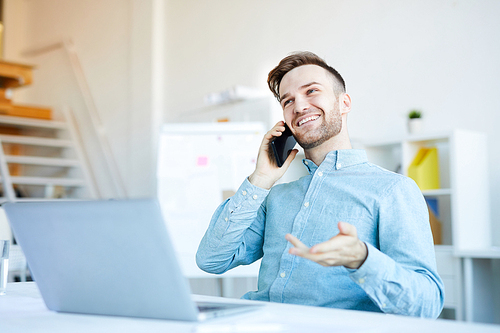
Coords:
pixel 298 59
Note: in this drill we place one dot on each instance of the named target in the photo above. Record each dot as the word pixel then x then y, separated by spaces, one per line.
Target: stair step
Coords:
pixel 49 161
pixel 29 122
pixel 25 111
pixel 36 141
pixel 47 181
pixel 14 75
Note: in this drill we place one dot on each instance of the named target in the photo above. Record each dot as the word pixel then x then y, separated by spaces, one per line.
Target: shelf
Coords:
pixel 27 122
pixel 437 192
pixel 59 162
pixel 36 141
pixel 490 253
pixel 14 75
pixel 47 181
pixel 413 139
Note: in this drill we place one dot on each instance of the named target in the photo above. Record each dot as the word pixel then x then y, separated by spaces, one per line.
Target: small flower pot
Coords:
pixel 415 125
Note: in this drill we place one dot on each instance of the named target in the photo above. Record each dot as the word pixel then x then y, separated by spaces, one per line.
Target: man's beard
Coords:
pixel 327 130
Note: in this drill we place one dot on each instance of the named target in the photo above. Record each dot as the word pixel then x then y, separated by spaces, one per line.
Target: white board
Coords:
pixel 199 164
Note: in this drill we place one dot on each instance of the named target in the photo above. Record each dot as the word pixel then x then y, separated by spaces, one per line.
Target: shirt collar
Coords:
pixel 338 159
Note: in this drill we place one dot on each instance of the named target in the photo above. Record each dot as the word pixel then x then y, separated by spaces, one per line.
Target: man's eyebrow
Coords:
pixel 302 87
pixel 283 97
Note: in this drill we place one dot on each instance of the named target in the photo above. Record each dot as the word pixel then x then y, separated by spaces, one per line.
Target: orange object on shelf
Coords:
pixel 25 111
pixel 13 75
pixel 436 228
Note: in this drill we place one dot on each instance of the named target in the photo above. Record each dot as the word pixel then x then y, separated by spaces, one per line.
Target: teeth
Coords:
pixel 305 120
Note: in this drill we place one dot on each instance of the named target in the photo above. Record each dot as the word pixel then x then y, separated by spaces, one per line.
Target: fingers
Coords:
pixel 347 229
pixel 290 158
pixel 301 250
pixel 343 249
pixel 333 244
pixel 267 171
pixel 277 130
pixel 296 242
pixel 347 234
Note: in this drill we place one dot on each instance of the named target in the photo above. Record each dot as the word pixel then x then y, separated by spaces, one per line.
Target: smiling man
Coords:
pixel 349 235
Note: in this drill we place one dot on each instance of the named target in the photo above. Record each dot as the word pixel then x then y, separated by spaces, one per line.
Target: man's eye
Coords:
pixel 310 91
pixel 288 101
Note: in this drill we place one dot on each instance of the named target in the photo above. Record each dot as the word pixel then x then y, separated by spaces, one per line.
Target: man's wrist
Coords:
pixel 260 181
pixel 362 255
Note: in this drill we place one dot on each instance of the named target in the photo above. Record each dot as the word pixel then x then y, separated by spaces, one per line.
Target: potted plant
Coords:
pixel 414 121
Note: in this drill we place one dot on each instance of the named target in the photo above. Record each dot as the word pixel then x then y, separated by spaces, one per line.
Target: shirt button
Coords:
pixel 283 274
pixel 255 196
pixel 361 280
pixel 339 165
pixel 383 305
pixel 244 192
pixel 225 219
pixel 320 173
pixel 306 204
pixel 306 163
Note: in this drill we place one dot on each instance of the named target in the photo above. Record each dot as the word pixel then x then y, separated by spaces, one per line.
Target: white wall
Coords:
pixel 113 40
pixel 439 56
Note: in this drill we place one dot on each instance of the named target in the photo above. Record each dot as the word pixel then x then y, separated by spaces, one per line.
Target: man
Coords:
pixel 349 235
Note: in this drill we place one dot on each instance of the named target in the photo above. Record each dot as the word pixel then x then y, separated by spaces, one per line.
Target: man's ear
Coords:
pixel 345 103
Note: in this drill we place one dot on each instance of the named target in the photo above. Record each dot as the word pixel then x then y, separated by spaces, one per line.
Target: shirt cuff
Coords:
pixel 248 195
pixel 374 267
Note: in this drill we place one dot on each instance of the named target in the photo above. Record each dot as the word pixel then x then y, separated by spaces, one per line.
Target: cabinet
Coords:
pixel 462 199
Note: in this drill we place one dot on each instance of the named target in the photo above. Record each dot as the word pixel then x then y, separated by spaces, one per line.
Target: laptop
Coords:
pixel 107 257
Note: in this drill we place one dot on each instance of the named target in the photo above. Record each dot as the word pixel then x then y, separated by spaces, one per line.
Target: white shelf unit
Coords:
pixel 42 156
pixel 263 109
pixel 463 196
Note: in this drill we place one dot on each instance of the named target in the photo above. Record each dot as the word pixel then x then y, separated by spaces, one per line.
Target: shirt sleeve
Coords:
pixel 401 276
pixel 236 232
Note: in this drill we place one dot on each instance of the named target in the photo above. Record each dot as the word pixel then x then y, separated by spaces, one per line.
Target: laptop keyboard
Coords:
pixel 207 306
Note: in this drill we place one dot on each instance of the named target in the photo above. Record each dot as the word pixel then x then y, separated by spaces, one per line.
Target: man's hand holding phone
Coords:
pixel 267 171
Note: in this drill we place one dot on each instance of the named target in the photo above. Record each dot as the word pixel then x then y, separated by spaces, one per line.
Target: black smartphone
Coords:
pixel 283 145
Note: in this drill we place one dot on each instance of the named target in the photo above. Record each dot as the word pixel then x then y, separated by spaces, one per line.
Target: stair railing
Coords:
pixel 68 47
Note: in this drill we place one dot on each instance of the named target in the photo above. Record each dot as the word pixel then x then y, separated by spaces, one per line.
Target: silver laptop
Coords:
pixel 109 257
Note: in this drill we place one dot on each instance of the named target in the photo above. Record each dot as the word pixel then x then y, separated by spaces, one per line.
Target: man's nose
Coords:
pixel 301 105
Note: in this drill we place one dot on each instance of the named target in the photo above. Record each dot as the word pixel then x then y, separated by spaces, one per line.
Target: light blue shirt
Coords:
pixel 388 210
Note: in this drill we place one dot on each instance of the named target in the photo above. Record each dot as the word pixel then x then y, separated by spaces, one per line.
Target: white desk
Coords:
pixel 23 310
pixel 481 285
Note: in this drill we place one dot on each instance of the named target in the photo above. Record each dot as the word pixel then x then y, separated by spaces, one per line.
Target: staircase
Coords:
pixel 40 158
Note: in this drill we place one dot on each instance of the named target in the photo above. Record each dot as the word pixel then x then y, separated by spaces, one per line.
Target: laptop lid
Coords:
pixel 109 257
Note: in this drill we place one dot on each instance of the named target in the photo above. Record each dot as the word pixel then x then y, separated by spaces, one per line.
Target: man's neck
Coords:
pixel 338 142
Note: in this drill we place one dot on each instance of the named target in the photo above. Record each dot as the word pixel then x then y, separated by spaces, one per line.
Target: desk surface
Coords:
pixel 491 253
pixel 23 310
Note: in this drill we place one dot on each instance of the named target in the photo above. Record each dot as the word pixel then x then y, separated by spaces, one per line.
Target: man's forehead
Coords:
pixel 305 74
